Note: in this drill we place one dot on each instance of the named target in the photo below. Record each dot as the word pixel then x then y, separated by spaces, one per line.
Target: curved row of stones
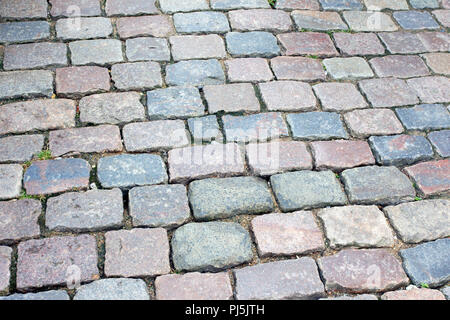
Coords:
pixel 199 146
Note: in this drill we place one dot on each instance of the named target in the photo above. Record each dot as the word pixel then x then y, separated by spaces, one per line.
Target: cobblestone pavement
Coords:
pixel 224 149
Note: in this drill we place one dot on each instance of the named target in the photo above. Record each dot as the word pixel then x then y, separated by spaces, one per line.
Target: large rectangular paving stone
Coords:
pixel 307 189
pixel 431 177
pixel 197 47
pixel 415 20
pixel 388 92
pixel 113 289
pixel 308 43
pixel 399 66
pixel 424 117
pixel 380 185
pixel 23 9
pixel 402 42
pixel 52 295
pixel 238 4
pixel 297 68
pixel 77 81
pixel 102 51
pixel 195 73
pixel 155 26
pixel 138 75
pixel 83 28
pixel 316 125
pixel 71 8
pixel 421 220
pixel 5 264
pixel 20 148
pixel 10 181
pixel 25 84
pixel 35 55
pixel 171 6
pixel 24 31
pixel 360 44
pixel 201 22
pixel 362 270
pixel 19 219
pixel 227 197
pixel 210 246
pixel 146 48
pixel 235 97
pixel 289 279
pixel 428 263
pixel 85 211
pixel 130 7
pixel 126 170
pixel 48 262
pixel 54 176
pixel 260 19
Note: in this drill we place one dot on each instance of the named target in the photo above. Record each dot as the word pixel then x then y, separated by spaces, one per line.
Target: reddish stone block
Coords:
pixel 358 44
pixel 431 89
pixel 73 81
pixel 304 43
pixel 435 41
pixel 402 42
pixel 388 92
pixel 248 70
pixel 259 19
pixel 19 219
pixel 130 7
pixel 5 265
pixel 431 177
pixel 156 26
pixel 438 62
pixel 399 66
pixel 298 4
pixel 297 68
pixel 414 294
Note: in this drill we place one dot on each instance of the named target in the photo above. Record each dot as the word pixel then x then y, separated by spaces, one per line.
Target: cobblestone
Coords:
pixel 431 177
pixel 23 9
pixel 25 84
pixel 298 4
pixel 205 129
pixel 399 66
pixel 113 289
pixel 238 4
pixel 76 81
pixel 19 219
pixel 438 62
pixel 361 44
pixel 143 49
pixel 5 264
pixel 65 8
pixel 248 70
pixel 339 96
pixel 103 51
pixel 172 6
pixel 307 43
pixel 24 31
pixel 369 21
pixel 431 89
pixel 413 294
pixel 441 142
pixel 424 117
pixel 256 43
pixel 259 19
pixel 388 92
pixel 368 122
pixel 52 295
pixel 83 28
pixel 130 7
pixel 201 22
pixel 20 148
pixel 195 73
pixel 402 42
pixel 287 96
pixel 317 20
pixel 415 20
pixel 156 26
pixel 297 68
pixel 304 125
pixel 11 181
pixel 197 47
pixel 341 5
pixel 136 76
pixel 176 102
pixel 231 98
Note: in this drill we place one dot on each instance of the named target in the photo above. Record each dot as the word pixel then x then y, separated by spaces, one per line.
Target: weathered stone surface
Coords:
pixel 19 219
pixel 297 68
pixel 24 31
pixel 138 75
pixel 381 185
pixel 159 206
pixel 113 289
pixel 441 142
pixel 130 7
pixel 431 89
pixel 287 234
pixel 307 43
pixel 127 170
pixel 288 96
pixel 341 5
pixel 431 177
pixel 399 66
pixel 259 19
pixel 378 5
pixel 102 51
pixel 83 28
pixel 55 295
pixel 203 161
pixel 71 8
pixel 348 68
pixel 231 98
pixel 137 253
pixel 435 41
pixel 54 176
pixel 51 261
pixel 210 246
pixel 5 264
pixel 201 22
pixel 415 20
pixel 424 4
pixel 438 62
pixel 23 9
pixel 443 16
pixel 194 286
pixel 20 148
pixel 298 4
pixel 369 21
pixel 112 108
pixel 153 135
pixel 358 270
pixel 304 125
pixel 26 84
pixel 197 47
pixel 171 6
pixel 155 26
pixel 248 70
pixel 317 20
pixel 360 44
pixel 85 211
pixel 356 297
pixel 368 122
pixel 402 42
pixel 238 4
pixel 290 279
pixel 11 181
pixel 227 197
pixel 204 129
pixel 278 156
pixel 256 43
pixel 388 92
pixel 195 73
pixel 76 81
pixel 175 102
pixel 98 139
pixel 339 96
pixel 446 292
pixel 413 294
pixel 428 263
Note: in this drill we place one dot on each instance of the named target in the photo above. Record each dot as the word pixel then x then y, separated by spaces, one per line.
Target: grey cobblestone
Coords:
pixel 175 102
pixel 195 73
pixel 20 148
pixel 11 181
pixel 201 22
pixel 25 84
pixel 24 31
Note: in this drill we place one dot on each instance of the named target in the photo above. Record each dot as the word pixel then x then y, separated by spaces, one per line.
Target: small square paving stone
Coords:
pixel 360 44
pixel 348 68
pixel 175 102
pixel 52 295
pixel 155 26
pixel 421 220
pixel 369 21
pixel 289 279
pixel 399 66
pixel 248 70
pixel 378 5
pixel 341 5
pixel 443 16
pixel 11 181
pixel 287 234
pixel 402 42
pixel 19 219
pixel 153 135
pixel 127 170
pixel 305 125
pixel 197 47
pixel 359 270
pixel 204 161
pixel 130 7
pixel 415 20
pixel 380 185
pixel 24 31
pixel 297 4
pixel 307 43
pixel 5 264
pixel 194 286
pixel 156 49
pixel 238 4
pixel 66 8
pixel 85 211
pixel 98 139
pixel 256 43
pixel 210 246
pixel 201 22
pixel 136 76
pixel 288 96
pixel 368 122
pixel 307 189
pixel 357 226
pixel 438 62
pixel 113 289
pixel 47 262
pixel 20 148
pixel 23 9
pixel 171 6
pixel 431 177
pixel 35 55
pixel 413 294
pixel 388 92
pixel 441 142
pixel 339 96
pixel 400 149
pixel 257 127
pixel 435 41
pixel 428 263
pixel 424 4
pixel 55 176
pixel 195 73
pixel 278 156
pixel 159 206
pixel 204 129
pixel 37 115
pixel 318 20
pixel 231 98
pixel 341 154
pixel 431 89
pixel 113 108
pixel 226 197
pixel 260 19
pixel 102 51
pixel 424 117
pixel 83 28
pixel 297 68
pixel 137 253
pixel 76 81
